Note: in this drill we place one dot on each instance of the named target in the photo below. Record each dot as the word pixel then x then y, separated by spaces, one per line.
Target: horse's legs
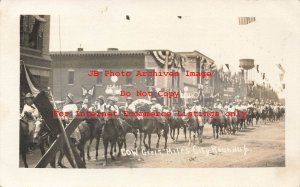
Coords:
pixel 200 134
pixel 184 131
pixel 166 137
pixel 141 137
pixel 194 137
pixel 171 131
pixel 112 146
pixel 144 139
pixel 214 131
pixel 115 146
pixel 88 148
pixel 177 134
pixel 149 141
pixel 125 145
pixel 105 143
pixel 135 138
pixel 190 138
pixel 97 146
pixel 158 138
pixel 23 154
pixel 42 149
pixel 81 149
pixel 61 155
pixel 120 144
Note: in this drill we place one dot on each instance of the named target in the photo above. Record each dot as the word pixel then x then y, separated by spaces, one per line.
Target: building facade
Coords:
pixel 71 69
pixel 34 47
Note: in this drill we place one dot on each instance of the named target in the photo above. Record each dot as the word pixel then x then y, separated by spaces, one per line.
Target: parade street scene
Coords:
pixel 126 90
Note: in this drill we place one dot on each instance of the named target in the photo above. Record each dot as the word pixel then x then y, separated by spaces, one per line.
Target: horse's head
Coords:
pixel 39 125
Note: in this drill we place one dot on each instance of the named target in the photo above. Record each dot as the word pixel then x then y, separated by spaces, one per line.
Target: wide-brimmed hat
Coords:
pixel 70 96
pixel 100 97
pixel 129 98
pixel 29 95
pixel 153 99
pixel 114 99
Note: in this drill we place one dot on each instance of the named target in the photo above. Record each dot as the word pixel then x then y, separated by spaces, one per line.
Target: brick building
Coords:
pixel 34 46
pixel 71 69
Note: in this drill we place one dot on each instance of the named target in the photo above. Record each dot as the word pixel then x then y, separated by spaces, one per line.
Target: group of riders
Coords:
pixel 255 109
pixel 263 111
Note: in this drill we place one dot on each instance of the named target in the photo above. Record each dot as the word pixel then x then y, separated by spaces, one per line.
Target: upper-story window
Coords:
pixel 129 78
pixel 99 80
pixel 150 80
pixel 71 76
pixel 31 31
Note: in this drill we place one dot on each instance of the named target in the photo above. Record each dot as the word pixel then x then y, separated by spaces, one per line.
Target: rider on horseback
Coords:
pixel 71 108
pixel 113 107
pixel 197 108
pixel 30 114
pixel 128 102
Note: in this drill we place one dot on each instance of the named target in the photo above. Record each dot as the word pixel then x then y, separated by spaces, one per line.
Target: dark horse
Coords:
pixel 43 137
pixel 176 122
pixel 218 123
pixel 110 135
pixel 89 129
pixel 250 116
pixel 123 129
pixel 193 126
pixel 151 125
pixel 24 141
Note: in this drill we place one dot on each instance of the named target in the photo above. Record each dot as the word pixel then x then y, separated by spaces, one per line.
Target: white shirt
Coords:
pixel 156 107
pixel 30 109
pixel 71 108
pixel 196 108
pixel 113 108
pixel 231 109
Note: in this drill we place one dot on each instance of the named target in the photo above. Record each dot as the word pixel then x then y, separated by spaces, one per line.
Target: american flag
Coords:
pixel 246 20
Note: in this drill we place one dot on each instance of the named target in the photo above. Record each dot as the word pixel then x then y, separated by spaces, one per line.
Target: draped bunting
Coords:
pixel 178 61
pixel 174 60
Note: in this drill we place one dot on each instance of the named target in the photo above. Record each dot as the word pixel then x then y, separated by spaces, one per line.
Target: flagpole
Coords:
pixel 165 77
pixel 63 131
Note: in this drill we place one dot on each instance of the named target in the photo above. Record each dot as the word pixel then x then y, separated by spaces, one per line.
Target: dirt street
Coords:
pixel 257 146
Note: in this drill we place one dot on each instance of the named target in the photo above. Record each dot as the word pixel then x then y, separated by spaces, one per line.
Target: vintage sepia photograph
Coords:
pixel 121 90
pixel 149 93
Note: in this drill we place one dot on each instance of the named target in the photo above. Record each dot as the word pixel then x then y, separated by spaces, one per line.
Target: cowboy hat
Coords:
pixel 70 96
pixel 29 95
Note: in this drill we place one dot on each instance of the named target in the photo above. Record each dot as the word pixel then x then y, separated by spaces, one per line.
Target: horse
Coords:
pixel 124 128
pixel 28 136
pixel 241 120
pixel 218 123
pixel 193 126
pixel 23 141
pixel 264 114
pixel 256 115
pixel 43 137
pixel 270 114
pixel 154 125
pixel 176 122
pixel 95 125
pixel 133 124
pixel 250 115
pixel 110 135
pixel 89 129
pixel 232 124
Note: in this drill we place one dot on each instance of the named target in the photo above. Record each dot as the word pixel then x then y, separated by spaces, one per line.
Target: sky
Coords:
pixel 211 29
